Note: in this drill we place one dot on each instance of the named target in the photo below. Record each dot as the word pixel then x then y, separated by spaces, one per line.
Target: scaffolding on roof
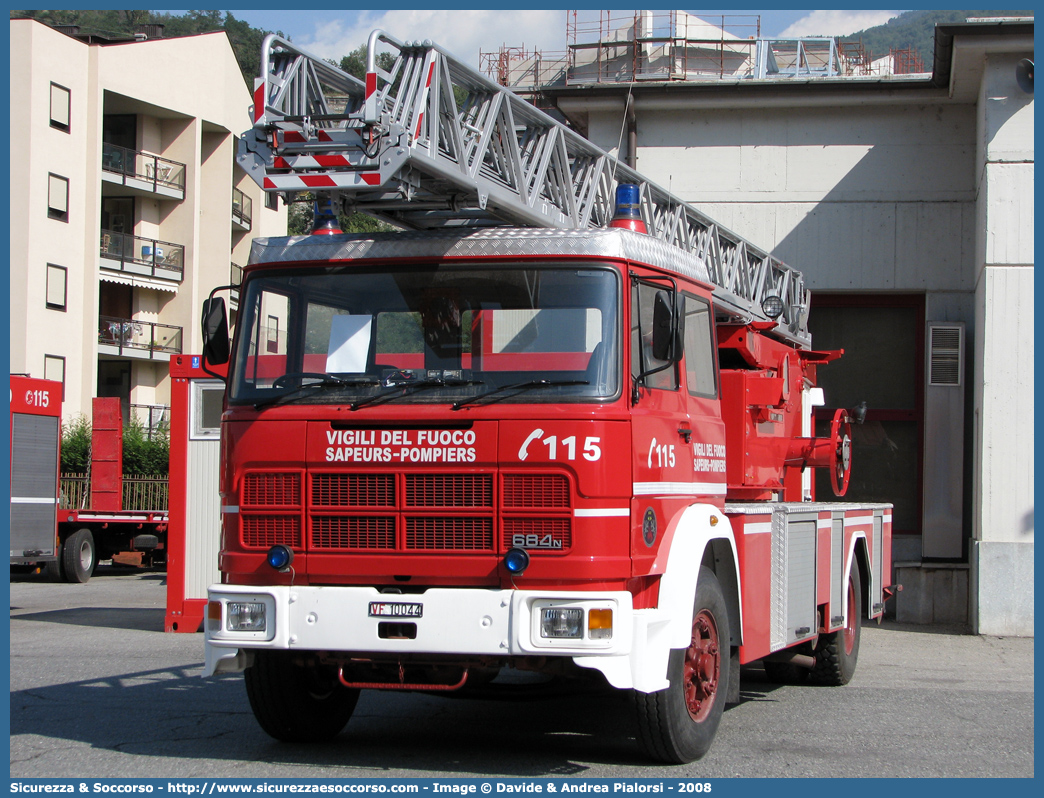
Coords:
pixel 613 47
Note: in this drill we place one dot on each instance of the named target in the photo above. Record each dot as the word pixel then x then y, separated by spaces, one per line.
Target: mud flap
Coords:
pixel 732 695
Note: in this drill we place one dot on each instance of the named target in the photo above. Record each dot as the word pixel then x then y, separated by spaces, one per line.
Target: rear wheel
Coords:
pixel 297 703
pixel 677 725
pixel 836 653
pixel 79 556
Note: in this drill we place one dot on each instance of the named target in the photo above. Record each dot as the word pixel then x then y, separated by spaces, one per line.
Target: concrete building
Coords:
pixel 907 201
pixel 127 206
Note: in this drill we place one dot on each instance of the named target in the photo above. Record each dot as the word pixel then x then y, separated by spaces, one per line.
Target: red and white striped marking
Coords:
pixel 337 180
pixel 424 100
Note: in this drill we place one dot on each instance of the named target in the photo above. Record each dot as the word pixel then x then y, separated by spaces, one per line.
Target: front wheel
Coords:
pixel 298 702
pixel 836 653
pixel 677 725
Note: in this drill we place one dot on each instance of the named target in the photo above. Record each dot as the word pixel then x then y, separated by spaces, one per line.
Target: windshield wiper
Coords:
pixel 407 388
pixel 322 381
pixel 518 386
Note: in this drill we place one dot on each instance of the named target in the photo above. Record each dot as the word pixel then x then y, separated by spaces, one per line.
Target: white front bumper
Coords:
pixel 453 621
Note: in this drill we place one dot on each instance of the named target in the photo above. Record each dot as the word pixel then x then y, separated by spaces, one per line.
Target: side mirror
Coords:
pixel 215 331
pixel 665 332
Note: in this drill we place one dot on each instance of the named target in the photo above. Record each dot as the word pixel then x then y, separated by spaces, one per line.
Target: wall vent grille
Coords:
pixel 945 355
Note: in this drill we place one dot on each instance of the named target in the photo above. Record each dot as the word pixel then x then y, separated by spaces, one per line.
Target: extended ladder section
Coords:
pixel 430 143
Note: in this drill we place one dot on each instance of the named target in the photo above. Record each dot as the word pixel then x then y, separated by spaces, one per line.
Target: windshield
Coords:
pixel 343 335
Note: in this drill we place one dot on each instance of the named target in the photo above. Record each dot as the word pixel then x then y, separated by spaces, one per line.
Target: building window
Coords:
pixel 273 334
pixel 58 197
pixel 57 284
pixel 60 105
pixel 271 201
pixel 54 369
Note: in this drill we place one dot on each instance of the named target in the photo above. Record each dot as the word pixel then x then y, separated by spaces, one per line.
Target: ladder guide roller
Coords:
pixel 433 144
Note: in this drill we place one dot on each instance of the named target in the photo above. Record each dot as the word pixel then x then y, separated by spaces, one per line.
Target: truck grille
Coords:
pixel 449 490
pixel 353 490
pixel 270 510
pixel 536 490
pixel 406 512
pixel 265 531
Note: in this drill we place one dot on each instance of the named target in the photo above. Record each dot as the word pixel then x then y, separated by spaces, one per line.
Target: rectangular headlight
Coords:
pixel 567 622
pixel 245 616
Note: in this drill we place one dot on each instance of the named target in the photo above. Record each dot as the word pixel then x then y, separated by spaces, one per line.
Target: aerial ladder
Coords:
pixel 433 144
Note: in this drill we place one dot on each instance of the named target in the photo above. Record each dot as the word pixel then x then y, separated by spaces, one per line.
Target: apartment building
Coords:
pixel 127 206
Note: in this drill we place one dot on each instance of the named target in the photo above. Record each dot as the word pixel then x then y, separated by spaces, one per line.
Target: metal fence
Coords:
pixel 139 493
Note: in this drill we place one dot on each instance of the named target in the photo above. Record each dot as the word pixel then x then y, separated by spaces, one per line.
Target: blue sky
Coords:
pixel 333 33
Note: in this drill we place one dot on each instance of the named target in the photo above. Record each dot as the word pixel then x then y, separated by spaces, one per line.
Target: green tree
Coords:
pixel 916 29
pixel 144 454
pixel 76 445
pixel 355 62
pixel 300 215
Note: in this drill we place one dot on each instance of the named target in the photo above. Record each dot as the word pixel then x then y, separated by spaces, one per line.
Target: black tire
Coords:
pixel 54 569
pixel 677 725
pixel 297 703
pixel 837 653
pixel 79 556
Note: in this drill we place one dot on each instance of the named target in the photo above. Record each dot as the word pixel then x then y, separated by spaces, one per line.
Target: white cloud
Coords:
pixel 463 33
pixel 836 23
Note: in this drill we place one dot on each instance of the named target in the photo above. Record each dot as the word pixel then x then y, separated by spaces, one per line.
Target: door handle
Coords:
pixel 686 433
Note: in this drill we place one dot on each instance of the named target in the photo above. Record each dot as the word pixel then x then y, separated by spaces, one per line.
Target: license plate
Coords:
pixel 395 609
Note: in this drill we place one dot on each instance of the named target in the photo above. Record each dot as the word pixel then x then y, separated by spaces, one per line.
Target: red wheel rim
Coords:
pixel 851 622
pixel 702 667
pixel 841 454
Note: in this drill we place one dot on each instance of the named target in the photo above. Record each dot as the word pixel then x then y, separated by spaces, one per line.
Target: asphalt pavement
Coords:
pixel 99 690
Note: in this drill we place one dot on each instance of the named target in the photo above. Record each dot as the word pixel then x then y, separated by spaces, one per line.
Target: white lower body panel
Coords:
pixel 452 621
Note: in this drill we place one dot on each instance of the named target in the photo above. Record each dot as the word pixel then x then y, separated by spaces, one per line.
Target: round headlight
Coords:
pixel 279 557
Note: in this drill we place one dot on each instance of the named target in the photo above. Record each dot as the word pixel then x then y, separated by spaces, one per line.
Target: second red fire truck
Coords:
pixel 541 433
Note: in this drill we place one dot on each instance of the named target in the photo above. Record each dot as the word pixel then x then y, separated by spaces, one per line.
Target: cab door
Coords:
pixel 661 429
pixel 700 388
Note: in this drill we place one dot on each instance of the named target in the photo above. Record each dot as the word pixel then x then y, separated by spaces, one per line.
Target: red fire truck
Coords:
pixel 538 432
pixel 70 541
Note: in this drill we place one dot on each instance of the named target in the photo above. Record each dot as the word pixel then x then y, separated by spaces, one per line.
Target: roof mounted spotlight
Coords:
pixel 279 557
pixel 772 306
pixel 516 561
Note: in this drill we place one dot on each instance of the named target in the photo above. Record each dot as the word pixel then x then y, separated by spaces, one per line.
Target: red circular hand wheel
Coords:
pixel 840 452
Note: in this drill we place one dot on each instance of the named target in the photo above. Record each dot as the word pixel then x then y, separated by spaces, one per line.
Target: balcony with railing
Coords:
pixel 142 340
pixel 142 173
pixel 242 210
pixel 154 419
pixel 147 257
